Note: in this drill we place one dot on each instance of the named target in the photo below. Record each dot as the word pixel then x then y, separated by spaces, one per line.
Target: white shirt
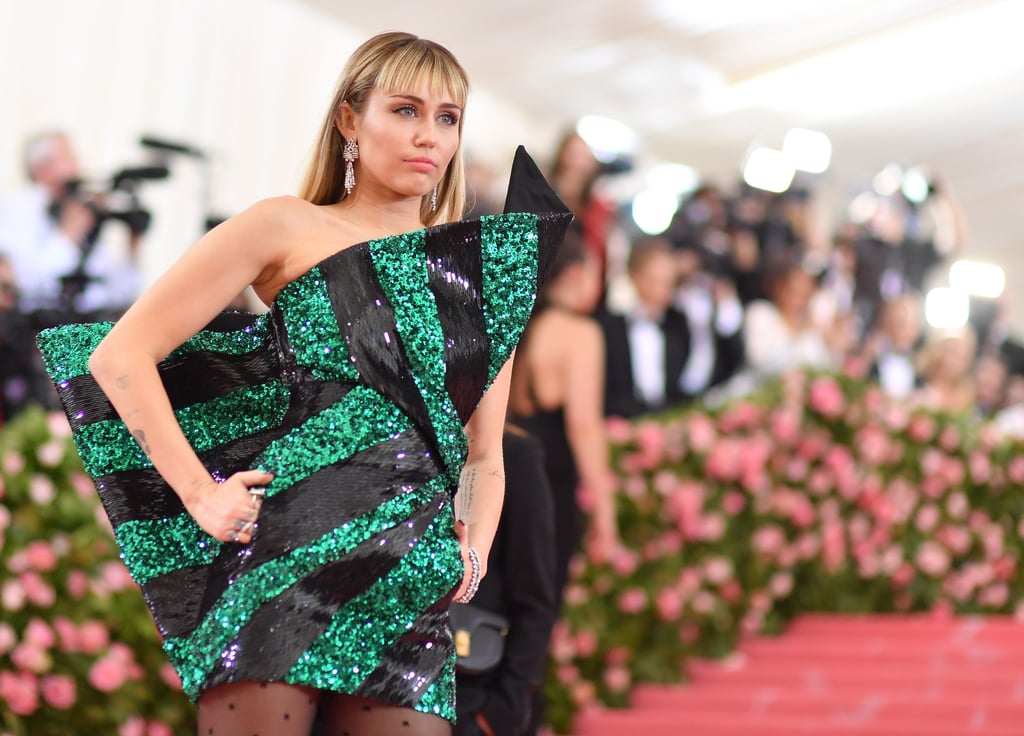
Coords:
pixel 773 348
pixel 647 357
pixel 41 254
pixel 698 304
pixel 896 374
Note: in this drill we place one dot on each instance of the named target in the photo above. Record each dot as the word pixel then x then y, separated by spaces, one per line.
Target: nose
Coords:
pixel 426 133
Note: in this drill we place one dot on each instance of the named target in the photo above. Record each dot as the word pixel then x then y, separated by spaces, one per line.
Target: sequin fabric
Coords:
pixel 353 390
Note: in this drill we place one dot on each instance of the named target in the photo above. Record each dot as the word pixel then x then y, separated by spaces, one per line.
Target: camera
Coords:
pixel 112 199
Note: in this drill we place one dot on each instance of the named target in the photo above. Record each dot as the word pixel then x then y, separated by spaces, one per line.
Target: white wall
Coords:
pixel 247 80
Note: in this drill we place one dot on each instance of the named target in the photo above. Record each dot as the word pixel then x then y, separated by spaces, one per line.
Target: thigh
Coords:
pixel 348 715
pixel 257 709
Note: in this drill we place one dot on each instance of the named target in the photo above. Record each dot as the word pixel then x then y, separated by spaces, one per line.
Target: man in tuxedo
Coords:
pixel 647 345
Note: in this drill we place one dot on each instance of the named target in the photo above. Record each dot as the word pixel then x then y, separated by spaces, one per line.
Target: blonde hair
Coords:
pixel 391 61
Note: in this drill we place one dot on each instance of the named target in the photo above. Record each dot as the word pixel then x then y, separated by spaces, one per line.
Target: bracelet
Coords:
pixel 474 577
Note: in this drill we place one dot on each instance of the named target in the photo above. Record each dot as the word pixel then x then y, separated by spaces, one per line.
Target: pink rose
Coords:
pixel 949 439
pixel 586 643
pixel 903 575
pixel 712 527
pixel 134 726
pixel 980 467
pixel 617 679
pixel 108 674
pixel 68 634
pixel 768 540
pixel 116 576
pixel 733 502
pixel 650 439
pixel 689 581
pixel 731 591
pixel 1015 469
pixel 632 601
pixel 685 504
pixel 704 602
pixel 77 584
pixel 995 596
pixel 38 592
pixel 41 490
pixel 618 655
pixel 7 638
pixel 57 424
pixel 31 658
pixel 13 462
pixel 717 570
pixel 41 556
pixel 575 595
pixel 785 425
pixel 83 486
pixel 921 428
pixel 956 538
pixel 833 552
pixel 826 397
pixel 669 604
pixel 39 634
pixel 873 444
pixel 957 505
pixel 12 595
pixel 583 693
pixel 927 518
pixel 59 691
pixel 21 691
pixel 700 432
pixel 781 584
pixel 50 453
pixel 624 561
pixel 567 674
pixel 932 559
pixel 93 637
pixel 159 728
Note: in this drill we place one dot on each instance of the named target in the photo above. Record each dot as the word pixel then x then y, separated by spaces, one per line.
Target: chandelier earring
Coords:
pixel 350 153
pixel 433 199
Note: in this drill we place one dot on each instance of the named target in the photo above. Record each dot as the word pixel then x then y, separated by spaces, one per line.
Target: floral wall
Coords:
pixel 817 494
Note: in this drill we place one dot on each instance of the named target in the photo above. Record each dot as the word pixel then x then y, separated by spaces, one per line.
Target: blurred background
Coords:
pixel 922 87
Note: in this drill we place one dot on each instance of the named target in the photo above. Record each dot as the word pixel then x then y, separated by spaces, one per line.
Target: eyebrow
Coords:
pixel 421 101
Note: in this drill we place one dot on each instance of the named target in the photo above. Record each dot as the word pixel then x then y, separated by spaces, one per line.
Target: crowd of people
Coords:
pixel 735 292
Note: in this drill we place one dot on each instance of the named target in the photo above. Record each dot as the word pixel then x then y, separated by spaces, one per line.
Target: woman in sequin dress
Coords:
pixel 300 494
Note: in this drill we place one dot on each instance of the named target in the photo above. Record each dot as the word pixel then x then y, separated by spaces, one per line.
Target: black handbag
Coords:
pixel 479 638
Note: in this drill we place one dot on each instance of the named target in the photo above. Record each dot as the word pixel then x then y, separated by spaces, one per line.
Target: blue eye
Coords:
pixel 406 110
pixel 449 119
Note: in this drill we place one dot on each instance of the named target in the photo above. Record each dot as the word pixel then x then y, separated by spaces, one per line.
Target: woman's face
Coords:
pixel 406 140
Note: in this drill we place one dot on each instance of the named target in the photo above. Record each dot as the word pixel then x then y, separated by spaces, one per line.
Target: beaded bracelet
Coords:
pixel 474 577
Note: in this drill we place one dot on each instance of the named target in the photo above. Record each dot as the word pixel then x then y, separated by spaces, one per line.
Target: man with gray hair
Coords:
pixel 51 238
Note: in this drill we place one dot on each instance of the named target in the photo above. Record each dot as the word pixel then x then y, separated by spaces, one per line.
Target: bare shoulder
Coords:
pixel 282 214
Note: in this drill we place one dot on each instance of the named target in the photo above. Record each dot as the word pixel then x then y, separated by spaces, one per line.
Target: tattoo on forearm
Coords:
pixel 466 493
pixel 122 382
pixel 140 437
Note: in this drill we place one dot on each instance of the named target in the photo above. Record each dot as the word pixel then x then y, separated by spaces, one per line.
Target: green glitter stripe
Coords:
pixel 66 349
pixel 160 546
pixel 361 419
pixel 361 632
pixel 509 245
pixel 439 697
pixel 195 655
pixel 402 271
pixel 312 328
pixel 107 447
pixel 156 547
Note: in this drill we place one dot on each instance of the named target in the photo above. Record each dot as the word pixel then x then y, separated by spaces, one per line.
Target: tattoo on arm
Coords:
pixel 122 382
pixel 140 437
pixel 466 493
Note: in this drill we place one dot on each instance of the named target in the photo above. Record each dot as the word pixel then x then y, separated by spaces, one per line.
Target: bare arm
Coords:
pixel 584 421
pixel 482 484
pixel 177 306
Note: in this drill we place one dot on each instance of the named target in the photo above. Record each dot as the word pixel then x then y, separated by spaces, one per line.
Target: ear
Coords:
pixel 347 122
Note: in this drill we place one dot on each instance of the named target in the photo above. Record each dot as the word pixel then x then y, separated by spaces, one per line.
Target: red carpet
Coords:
pixel 843 675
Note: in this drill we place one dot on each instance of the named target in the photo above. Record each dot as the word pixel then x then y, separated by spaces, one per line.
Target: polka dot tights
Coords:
pixel 278 709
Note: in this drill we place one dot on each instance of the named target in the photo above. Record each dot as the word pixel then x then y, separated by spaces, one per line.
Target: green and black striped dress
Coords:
pixel 353 390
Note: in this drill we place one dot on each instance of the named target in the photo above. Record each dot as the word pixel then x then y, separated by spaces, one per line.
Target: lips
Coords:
pixel 423 164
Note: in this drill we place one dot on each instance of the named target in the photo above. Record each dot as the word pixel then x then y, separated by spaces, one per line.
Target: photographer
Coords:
pixel 52 233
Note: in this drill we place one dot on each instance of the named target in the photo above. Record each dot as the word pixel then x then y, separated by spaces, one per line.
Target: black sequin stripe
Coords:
pixel 175 599
pixel 193 378
pixel 143 495
pixel 324 501
pixel 455 272
pixel 282 629
pixel 550 233
pixel 366 320
pixel 424 650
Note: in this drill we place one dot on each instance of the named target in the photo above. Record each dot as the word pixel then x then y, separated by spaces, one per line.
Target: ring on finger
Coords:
pixel 258 491
pixel 246 527
pixel 234 536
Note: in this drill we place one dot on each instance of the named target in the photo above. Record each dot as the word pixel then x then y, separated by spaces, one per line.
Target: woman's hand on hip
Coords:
pixel 228 511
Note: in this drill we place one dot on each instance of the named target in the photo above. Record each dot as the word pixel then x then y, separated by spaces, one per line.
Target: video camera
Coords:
pixel 112 199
